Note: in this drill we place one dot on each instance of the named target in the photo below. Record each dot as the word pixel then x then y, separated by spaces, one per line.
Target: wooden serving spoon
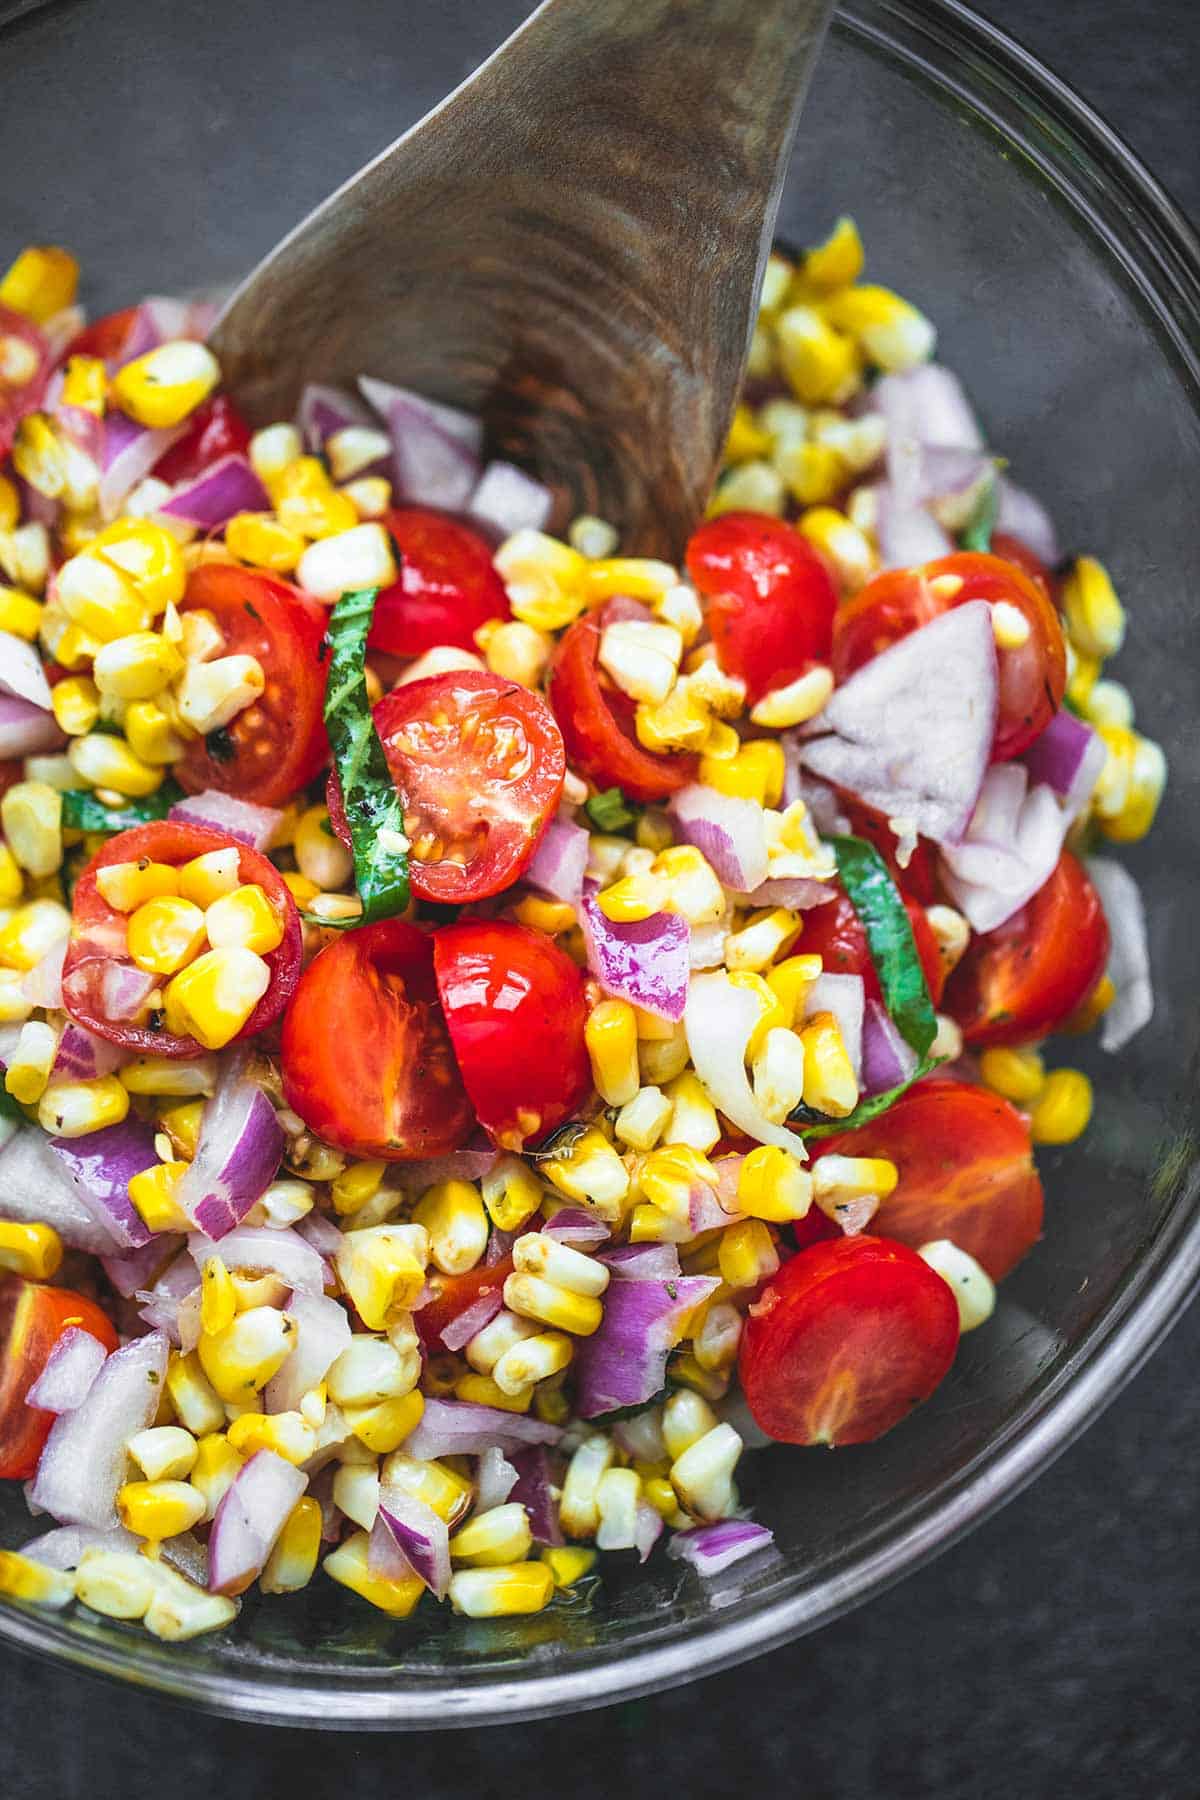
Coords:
pixel 570 246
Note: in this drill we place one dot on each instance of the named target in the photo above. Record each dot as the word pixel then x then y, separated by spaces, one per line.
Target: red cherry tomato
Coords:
pixel 845 1340
pixel 597 723
pixel 815 1227
pixel 24 368
pixel 1022 981
pixel 452 1295
pixel 12 770
pixel 1033 676
pixel 516 1011
pixel 771 600
pixel 104 337
pixel 32 1319
pixel 97 950
pixel 367 1061
pixel 965 1159
pixel 479 762
pixel 1014 550
pixel 278 744
pixel 835 933
pixel 447 587
pixel 215 429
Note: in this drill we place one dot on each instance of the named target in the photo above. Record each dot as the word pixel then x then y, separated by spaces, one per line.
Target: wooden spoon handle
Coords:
pixel 570 244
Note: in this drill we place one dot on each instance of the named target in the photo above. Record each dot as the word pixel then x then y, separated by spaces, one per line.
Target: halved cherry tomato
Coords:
pixel 771 600
pixel 965 1159
pixel 597 722
pixel 447 587
pixel 918 877
pixel 479 763
pixel 835 933
pixel 1033 676
pixel 215 429
pixel 815 1227
pixel 516 1011
pixel 104 337
pixel 1021 981
pixel 32 1319
pixel 278 744
pixel 97 951
pixel 24 368
pixel 451 1295
pixel 1015 550
pixel 845 1340
pixel 367 1061
pixel 12 770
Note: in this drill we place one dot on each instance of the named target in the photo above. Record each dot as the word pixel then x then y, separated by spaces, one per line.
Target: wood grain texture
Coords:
pixel 570 245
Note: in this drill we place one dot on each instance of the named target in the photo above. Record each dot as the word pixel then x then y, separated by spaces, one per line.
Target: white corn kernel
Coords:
pixel 498 1337
pixel 778 1071
pixel 642 657
pixel 537 1254
pixel 970 1284
pixel 356 1492
pixel 210 695
pixel 686 1418
pixel 578 1511
pixel 642 1120
pixel 353 449
pixel 703 1475
pixel 358 558
pixel 164 1452
pixel 272 449
pixel 534 1360
pixel 797 702
pixel 368 1371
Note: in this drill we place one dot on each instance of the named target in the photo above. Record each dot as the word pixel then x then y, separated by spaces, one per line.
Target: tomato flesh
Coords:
pixel 98 935
pixel 845 1340
pixel 771 599
pixel 597 723
pixel 104 337
pixel 479 762
pixel 215 429
pixel 451 1295
pixel 515 1006
pixel 1022 981
pixel 965 1159
pixel 367 1061
pixel 447 587
pixel 835 933
pixel 24 369
pixel 1032 675
pixel 1015 550
pixel 278 743
pixel 32 1319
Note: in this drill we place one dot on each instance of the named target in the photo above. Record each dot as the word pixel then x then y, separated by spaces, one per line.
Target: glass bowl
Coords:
pixel 1067 292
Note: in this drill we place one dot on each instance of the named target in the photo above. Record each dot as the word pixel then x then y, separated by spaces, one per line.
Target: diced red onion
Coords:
pixel 460 1165
pixel 706 943
pixel 1128 957
pixel 124 990
pixel 463 1326
pixel 843 996
pixel 533 1492
pixel 907 534
pixel 927 405
pixel 1068 757
pixel 238 819
pixel 719 1022
pixel 249 1518
pixel 711 1548
pixel 913 728
pixel 509 500
pixel 62 1547
pixel 886 1059
pixel 101 1164
pixel 21 672
pixel 70 1369
pixel 83 1462
pixel 640 1436
pixel 622 608
pixel 160 319
pixel 134 1269
pixel 436 448
pixel 84 428
pixel 82 1055
pixel 707 1210
pixel 645 961
pixel 130 452
pixel 1011 846
pixel 319 1230
pixel 1022 516
pixel 237 1156
pixel 386 1561
pixel 499 1245
pixel 42 986
pixel 326 410
pixel 36 508
pixel 799 893
pixel 161 1304
pixel 421 1536
pixel 281 1253
pixel 459 1428
pixel 322 1332
pixel 730 833
pixel 643 1262
pixel 211 499
pixel 560 861
pixel 647 1529
pixel 576 1226
pixel 624 1362
pixel 495 1478
pixel 35 1188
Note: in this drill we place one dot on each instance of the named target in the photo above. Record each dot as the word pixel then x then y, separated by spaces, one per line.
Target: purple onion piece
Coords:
pixel 1024 517
pixel 161 1304
pixel 210 499
pixel 422 1537
pixel 100 1166
pixel 134 1269
pixel 624 1363
pixel 83 1462
pixel 81 1054
pixel 647 1529
pixel 26 730
pixel 130 452
pixel 35 1188
pixel 459 1331
pixel 1129 953
pixel 326 410
pixel 436 448
pixel 533 1491
pixel 646 962
pixel 560 861
pixel 576 1226
pixel 711 1548
pixel 643 1262
pixel 249 1518
pixel 459 1428
pixel 237 1156
pixel 246 823
pixel 728 832
pixel 1009 850
pixel 886 1059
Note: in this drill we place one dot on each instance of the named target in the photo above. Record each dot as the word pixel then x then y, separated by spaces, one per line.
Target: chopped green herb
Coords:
pixel 9 1108
pixel 977 532
pixel 81 811
pixel 876 899
pixel 866 1110
pixel 220 745
pixel 611 811
pixel 374 810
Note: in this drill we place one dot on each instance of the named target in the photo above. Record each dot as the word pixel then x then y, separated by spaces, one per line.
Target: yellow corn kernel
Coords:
pixel 1143 776
pixel 218 1298
pixel 773 1186
pixel 196 1402
pixel 532 1297
pixel 165 934
pixel 569 1563
pixel 511 1192
pixel 829 1081
pixel 12 882
pixel 34 1251
pixel 747 1254
pixel 636 577
pixel 76 704
pixel 611 1037
pixel 240 1360
pixel 633 898
pixel 170 1077
pixel 348 1565
pixel 302 890
pixel 21 1578
pixel 31 815
pixel 536 1253
pixel 516 651
pixel 319 514
pixel 14 1007
pixel 293 1559
pixel 208 878
pixel 322 856
pixel 837 262
pixel 754 486
pixel 796 702
pixel 162 387
pixel 668 1176
pixel 649 1225
pixel 152 1194
pixel 1087 1015
pixel 25 556
pixel 452 1212
pixel 849 1188
pixel 99 598
pixel 42 281
pixel 85 384
pixel 213 997
pixel 1064 1108
pixel 159 1509
pixel 746 438
pixel 104 761
pixel 846 549
pixel 288 1434
pixel 819 364
pixel 260 539
pixel 590 1170
pixel 164 1452
pixel 499 1535
pixel 75 1108
pixel 702 1476
pixel 693 890
pixel 356 1185
pixel 20 614
pixel 382 1269
pixel 481 1390
pixel 680 722
pixel 755 772
pixel 385 1425
pixel 693 1122
pixel 10 505
pixel 642 1120
pixel 764 937
pixel 1017 1074
pixel 127 886
pixel 244 919
pixel 531 1360
pixel 149 733
pixel 31 932
pixel 502 1592
pixel 889 330
pixel 273 451
pixel 1095 618
pixel 217 1462
pixel 136 667
pixel 210 695
pixel 371 495
pixel 550 916
pixel 789 982
pixel 442 1489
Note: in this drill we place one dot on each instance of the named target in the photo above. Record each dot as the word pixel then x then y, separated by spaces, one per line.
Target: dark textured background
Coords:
pixel 1053 1653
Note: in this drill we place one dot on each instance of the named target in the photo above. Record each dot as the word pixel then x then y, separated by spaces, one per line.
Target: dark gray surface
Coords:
pixel 1055 1651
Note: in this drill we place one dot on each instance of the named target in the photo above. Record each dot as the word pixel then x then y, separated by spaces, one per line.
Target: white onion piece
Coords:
pixel 576 1226
pixel 730 833
pixel 36 1189
pixel 322 1332
pixel 70 1369
pixel 495 1479
pixel 237 1156
pixel 25 730
pixel 42 986
pixel 844 997
pixel 928 404
pixel 508 500
pixel 21 672
pixel 460 1428
pixel 161 1304
pixel 1022 516
pixel 886 1059
pixel 647 1529
pixel 249 1518
pixel 719 1022
pixel 210 499
pixel 238 819
pixel 907 534
pixel 281 1253
pixel 559 863
pixel 62 1547
pixel 419 1534
pixel 100 1165
pixel 1129 953
pixel 711 1548
pixel 130 452
pixel 1011 846
pixel 134 1269
pixel 84 1459
pixel 436 447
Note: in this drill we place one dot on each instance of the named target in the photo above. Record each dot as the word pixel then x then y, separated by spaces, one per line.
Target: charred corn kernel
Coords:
pixel 829 1081
pixel 505 1591
pixel 1095 618
pixel 709 686
pixel 452 1212
pixel 536 1359
pixel 273 449
pixel 668 1177
pixel 536 1253
pixel 209 878
pixel 533 1297
pixel 642 656
pixel 680 722
pixel 481 1390
pixel 1086 1016
pixel 293 1559
pixel 755 772
pixel 1145 778
pixel 217 1462
pixel 196 1402
pixel 686 1419
pixel 1019 1075
pixel 42 281
pixel 240 1360
pixel 321 855
pixel 21 1578
pixel 444 1491
pixel 348 1565
pixel 754 486
pixel 747 1254
pixel 104 761
pixel 590 1170
pixel 14 1007
pixel 152 1193
pixel 356 1185
pixel 136 667
pixel 119 1584
pixel 971 1285
pixel 778 1074
pixel 149 733
pixel 384 1426
pixel 642 1120
pixel 550 916
pixel 148 556
pixel 32 932
pixel 577 1509
pixel 838 1181
pixel 30 1061
pixel 496 1339
pixel 348 557
pixel 288 1434
pixel 164 1452
pixel 795 703
pixel 20 614
pixel 260 539
pixel 245 919
pixel 517 652
pixel 31 815
pixel 569 1563
pixel 1063 1109
pixel 34 1251
pixel 772 1185
pixel 210 695
pixel 746 438
pixel 951 932
pixel 847 550
pixel 500 1535
pixel 693 1122
pixel 762 939
pixel 213 997
pixel 180 1124
pixel 891 332
pixel 633 898
pixel 162 387
pixel 703 1475
pixel 126 886
pixel 819 363
pixel 382 1269
pixel 159 1509
pixel 611 1037
pixel 370 1370
pixel 166 933
pixel 218 1297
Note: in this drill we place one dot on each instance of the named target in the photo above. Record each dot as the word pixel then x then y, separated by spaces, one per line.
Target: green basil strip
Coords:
pixel 876 899
pixel 374 810
pixel 977 533
pixel 9 1108
pixel 610 811
pixel 868 1109
pixel 81 811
